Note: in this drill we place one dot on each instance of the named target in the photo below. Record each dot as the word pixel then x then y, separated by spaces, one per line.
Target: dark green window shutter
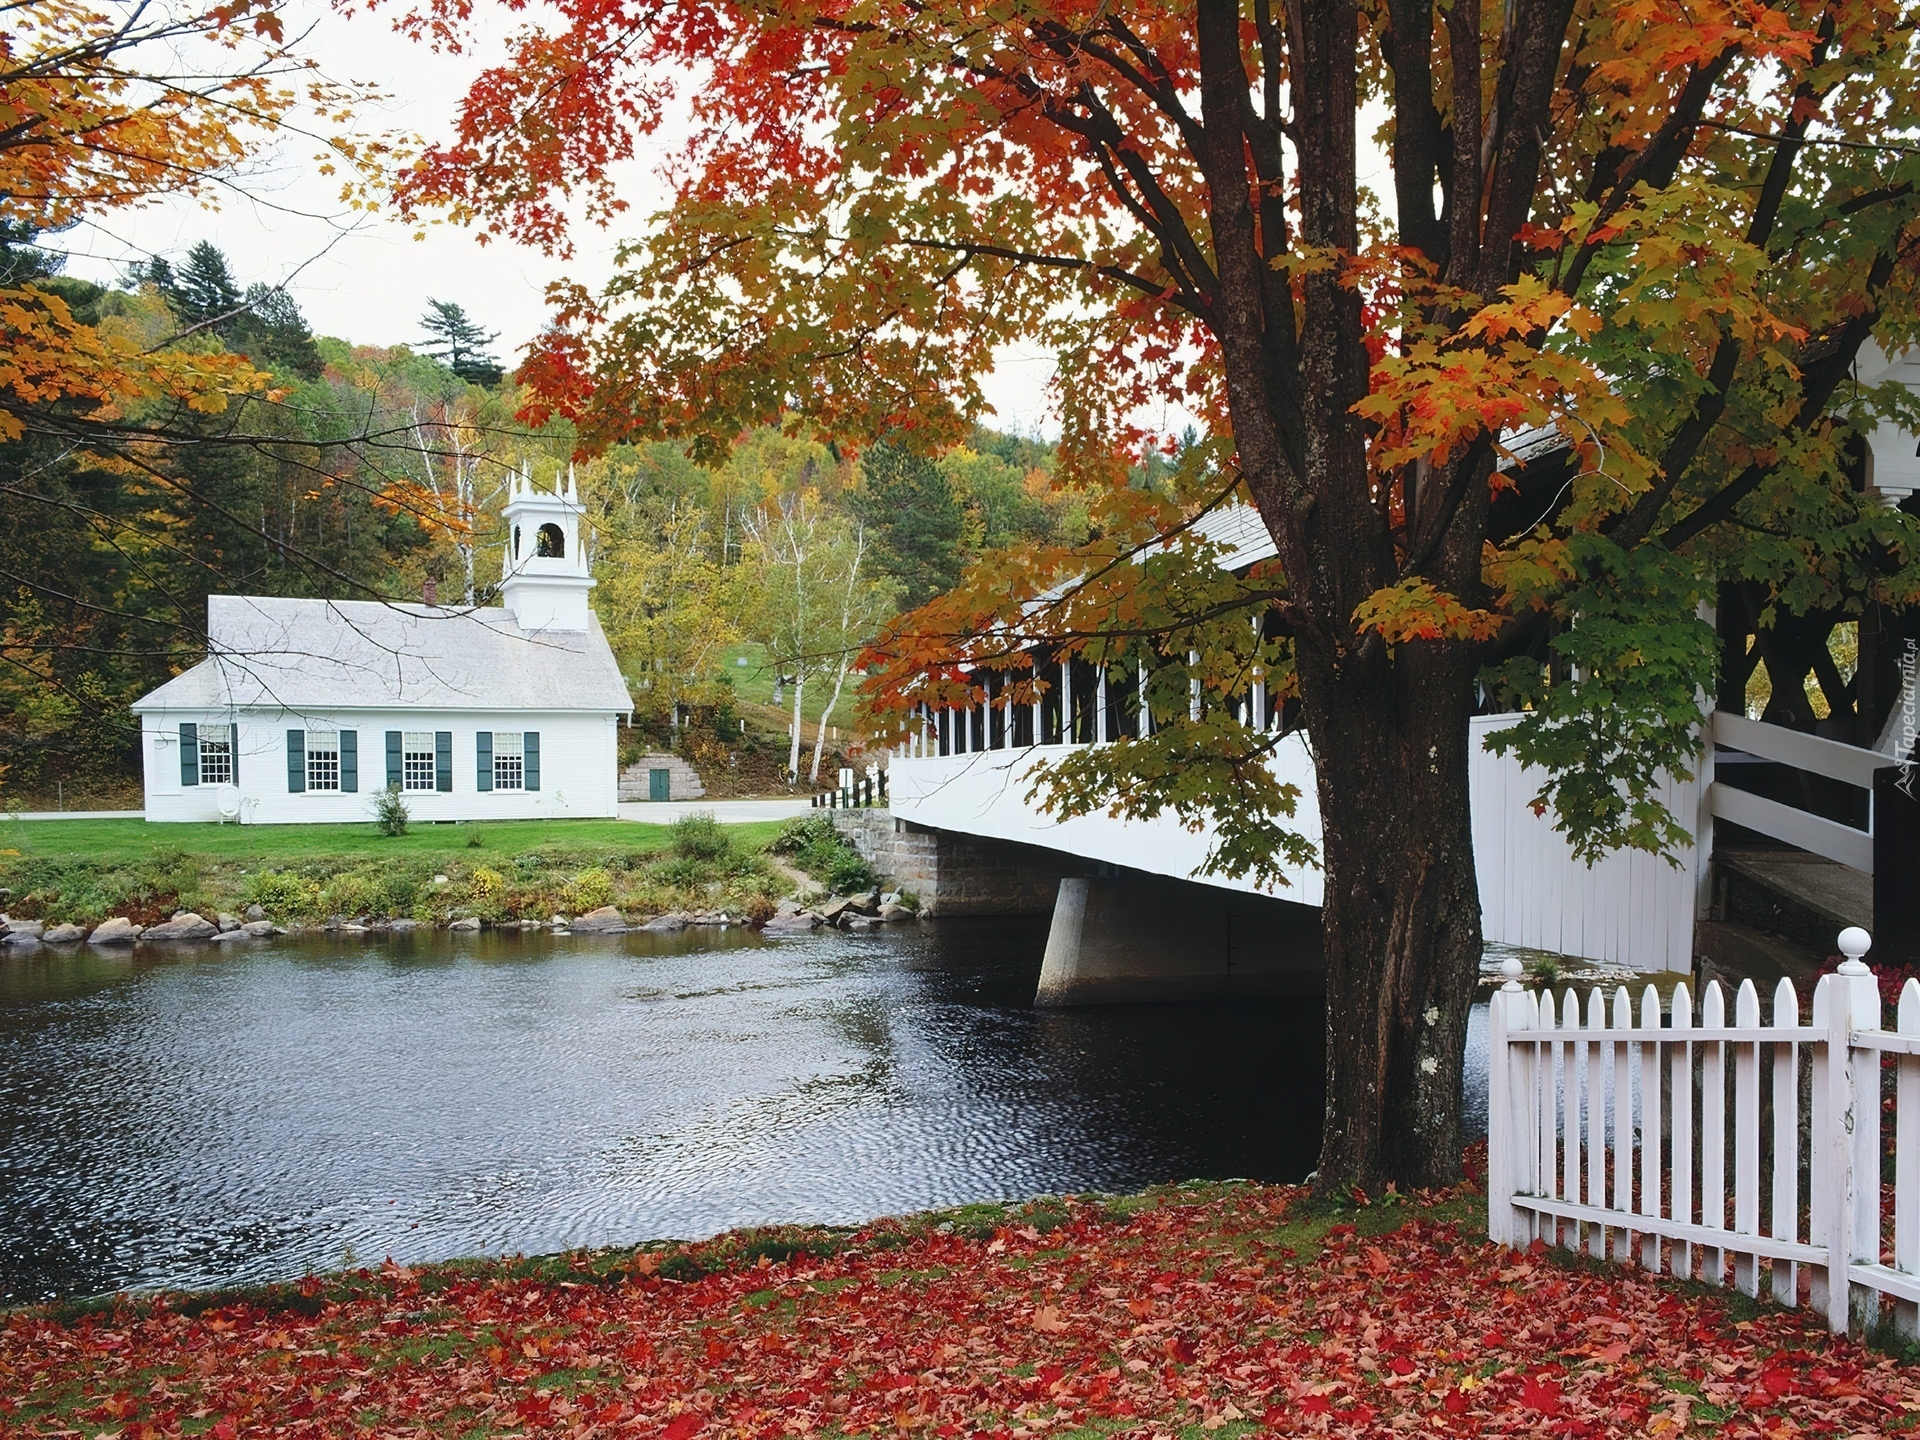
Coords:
pixel 349 761
pixel 483 760
pixel 532 741
pixel 443 761
pixel 396 771
pixel 233 749
pixel 296 761
pixel 189 754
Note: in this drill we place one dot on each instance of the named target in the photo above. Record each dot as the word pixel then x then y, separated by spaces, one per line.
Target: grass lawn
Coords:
pixel 126 841
pixel 753 690
pixel 1215 1310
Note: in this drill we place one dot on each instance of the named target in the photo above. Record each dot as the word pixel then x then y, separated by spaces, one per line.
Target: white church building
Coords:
pixel 304 710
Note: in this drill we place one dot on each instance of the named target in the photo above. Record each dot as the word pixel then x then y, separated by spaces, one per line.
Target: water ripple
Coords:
pixel 216 1117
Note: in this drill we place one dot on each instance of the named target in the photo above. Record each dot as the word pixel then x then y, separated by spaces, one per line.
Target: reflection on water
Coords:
pixel 207 1117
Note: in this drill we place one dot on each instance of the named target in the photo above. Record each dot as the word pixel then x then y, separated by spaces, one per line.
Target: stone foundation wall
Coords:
pixel 954 874
pixel 684 783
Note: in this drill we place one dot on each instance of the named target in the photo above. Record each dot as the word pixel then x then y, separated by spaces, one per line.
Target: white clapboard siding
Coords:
pixel 1629 908
pixel 1586 1100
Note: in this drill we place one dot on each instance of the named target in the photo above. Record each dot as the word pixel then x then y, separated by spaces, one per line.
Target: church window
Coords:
pixel 550 543
pixel 509 761
pixel 323 760
pixel 417 762
pixel 216 757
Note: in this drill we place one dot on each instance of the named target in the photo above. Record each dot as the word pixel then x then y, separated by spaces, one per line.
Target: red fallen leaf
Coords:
pixel 1314 1405
pixel 1400 1365
pixel 1542 1393
pixel 1777 1381
pixel 1377 1262
pixel 1455 1403
pixel 1181 1349
pixel 718 1350
pixel 225 1429
pixel 1358 1414
pixel 683 1426
pixel 1493 1340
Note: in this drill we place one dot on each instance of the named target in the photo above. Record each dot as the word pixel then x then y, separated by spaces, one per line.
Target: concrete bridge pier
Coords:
pixel 1145 937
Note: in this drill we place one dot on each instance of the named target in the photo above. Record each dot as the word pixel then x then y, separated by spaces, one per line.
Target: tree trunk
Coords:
pixel 793 753
pixel 820 735
pixel 1402 910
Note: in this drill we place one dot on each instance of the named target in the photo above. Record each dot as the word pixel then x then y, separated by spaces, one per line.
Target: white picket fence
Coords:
pixel 1617 1133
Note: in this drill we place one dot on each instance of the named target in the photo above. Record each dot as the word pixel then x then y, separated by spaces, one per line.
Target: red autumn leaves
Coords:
pixel 1210 1310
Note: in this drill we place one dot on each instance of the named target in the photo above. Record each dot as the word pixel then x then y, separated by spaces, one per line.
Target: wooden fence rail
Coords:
pixel 1747 1153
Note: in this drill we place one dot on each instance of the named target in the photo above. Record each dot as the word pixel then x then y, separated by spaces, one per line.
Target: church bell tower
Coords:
pixel 546 580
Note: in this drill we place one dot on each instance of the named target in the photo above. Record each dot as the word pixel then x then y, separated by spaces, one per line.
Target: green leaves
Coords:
pixel 1623 706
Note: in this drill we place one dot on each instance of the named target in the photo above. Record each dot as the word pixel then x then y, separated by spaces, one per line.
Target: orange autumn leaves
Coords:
pixel 109 106
pixel 1213 1310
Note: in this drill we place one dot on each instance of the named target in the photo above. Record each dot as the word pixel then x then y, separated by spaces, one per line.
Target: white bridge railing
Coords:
pixel 1747 1154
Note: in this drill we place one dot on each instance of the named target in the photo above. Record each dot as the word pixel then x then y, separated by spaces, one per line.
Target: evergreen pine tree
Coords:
pixel 459 344
pixel 907 503
pixel 273 333
pixel 204 288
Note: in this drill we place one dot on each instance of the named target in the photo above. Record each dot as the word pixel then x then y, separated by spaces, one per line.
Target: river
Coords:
pixel 209 1117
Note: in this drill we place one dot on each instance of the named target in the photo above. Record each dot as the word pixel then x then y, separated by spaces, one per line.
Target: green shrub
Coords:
pixel 700 837
pixel 802 833
pixel 390 811
pixel 280 892
pixel 354 893
pixel 849 871
pixel 399 893
pixel 589 891
pixel 819 849
pixel 682 872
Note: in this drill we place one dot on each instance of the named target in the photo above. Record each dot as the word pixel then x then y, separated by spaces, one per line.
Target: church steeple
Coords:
pixel 546 580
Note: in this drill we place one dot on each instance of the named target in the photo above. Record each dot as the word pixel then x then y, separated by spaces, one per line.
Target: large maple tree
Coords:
pixel 1662 230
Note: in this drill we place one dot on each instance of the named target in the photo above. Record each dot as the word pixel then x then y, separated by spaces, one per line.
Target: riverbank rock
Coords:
pixel 221 935
pixel 403 926
pixel 868 904
pixel 30 928
pixel 183 926
pixel 257 928
pixel 117 931
pixel 831 912
pixel 226 922
pixel 471 922
pixel 602 921
pixel 893 913
pixel 672 920
pixel 20 939
pixel 254 912
pixel 66 934
pixel 798 923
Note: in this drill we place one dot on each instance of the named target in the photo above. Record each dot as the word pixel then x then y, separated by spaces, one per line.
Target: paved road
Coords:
pixel 727 812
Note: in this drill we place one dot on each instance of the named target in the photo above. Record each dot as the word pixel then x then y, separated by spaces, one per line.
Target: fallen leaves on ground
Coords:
pixel 1200 1311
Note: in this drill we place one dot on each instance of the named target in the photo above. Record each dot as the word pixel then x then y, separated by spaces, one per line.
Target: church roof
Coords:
pixel 304 655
